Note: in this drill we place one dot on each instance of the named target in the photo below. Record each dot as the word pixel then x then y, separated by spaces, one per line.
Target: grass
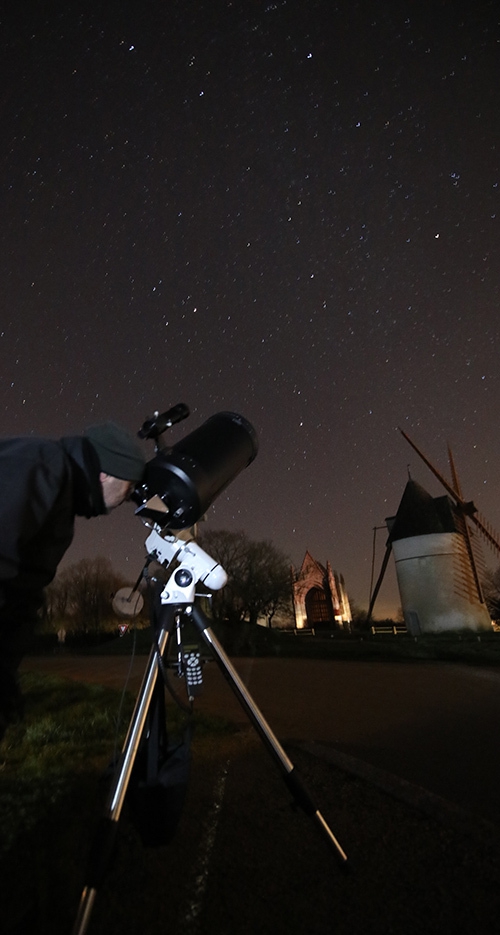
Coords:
pixel 67 732
pixel 54 776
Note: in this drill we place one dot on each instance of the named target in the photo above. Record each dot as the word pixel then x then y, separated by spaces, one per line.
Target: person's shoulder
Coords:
pixel 28 443
pixel 31 450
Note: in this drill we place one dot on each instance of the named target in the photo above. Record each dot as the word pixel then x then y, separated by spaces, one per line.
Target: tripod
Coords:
pixel 177 602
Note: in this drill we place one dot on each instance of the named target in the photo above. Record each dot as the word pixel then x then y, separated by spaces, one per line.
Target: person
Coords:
pixel 44 485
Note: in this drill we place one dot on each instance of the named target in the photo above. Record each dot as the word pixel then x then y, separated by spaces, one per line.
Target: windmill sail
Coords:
pixel 468 508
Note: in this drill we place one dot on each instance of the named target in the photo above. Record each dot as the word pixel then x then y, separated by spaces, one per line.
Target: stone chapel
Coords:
pixel 320 599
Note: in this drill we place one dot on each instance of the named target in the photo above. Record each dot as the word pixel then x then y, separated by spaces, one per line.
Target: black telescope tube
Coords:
pixel 189 476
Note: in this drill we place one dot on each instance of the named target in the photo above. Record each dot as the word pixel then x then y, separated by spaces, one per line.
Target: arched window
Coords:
pixel 317 607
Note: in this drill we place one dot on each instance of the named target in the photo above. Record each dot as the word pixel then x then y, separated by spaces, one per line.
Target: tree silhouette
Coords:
pixel 259 581
pixel 82 593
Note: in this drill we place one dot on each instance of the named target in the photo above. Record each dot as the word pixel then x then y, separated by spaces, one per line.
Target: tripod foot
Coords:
pixel 302 797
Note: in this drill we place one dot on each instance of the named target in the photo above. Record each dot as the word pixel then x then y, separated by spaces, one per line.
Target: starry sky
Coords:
pixel 284 209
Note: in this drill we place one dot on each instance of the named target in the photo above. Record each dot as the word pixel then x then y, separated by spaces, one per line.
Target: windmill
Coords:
pixel 467 521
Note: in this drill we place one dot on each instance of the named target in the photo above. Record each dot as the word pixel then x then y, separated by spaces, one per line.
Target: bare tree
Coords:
pixel 57 598
pixel 84 591
pixel 259 582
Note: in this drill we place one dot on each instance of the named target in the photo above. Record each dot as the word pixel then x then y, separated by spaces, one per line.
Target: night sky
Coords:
pixel 289 210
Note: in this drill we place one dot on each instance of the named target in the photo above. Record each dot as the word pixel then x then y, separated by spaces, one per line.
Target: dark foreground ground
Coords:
pixel 245 861
pixel 433 724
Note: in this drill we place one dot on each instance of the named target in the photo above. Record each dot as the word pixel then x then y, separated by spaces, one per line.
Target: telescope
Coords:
pixel 178 486
pixel 180 483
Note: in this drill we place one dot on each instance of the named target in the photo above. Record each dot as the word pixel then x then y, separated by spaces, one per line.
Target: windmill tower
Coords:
pixel 437 555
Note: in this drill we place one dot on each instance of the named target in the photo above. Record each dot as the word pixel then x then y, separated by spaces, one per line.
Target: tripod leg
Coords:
pixel 102 847
pixel 293 781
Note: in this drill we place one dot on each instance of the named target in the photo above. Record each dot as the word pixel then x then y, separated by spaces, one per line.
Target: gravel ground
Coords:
pixel 245 860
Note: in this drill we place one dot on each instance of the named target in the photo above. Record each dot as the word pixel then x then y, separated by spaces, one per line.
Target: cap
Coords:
pixel 119 453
